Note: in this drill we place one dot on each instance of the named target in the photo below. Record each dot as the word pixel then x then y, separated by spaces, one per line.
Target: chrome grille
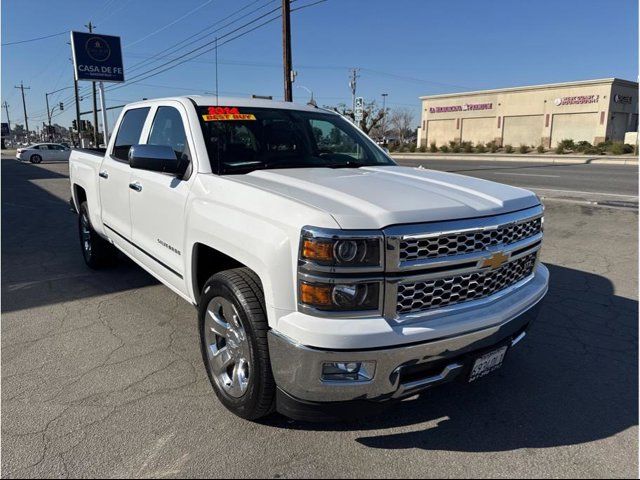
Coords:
pixel 439 292
pixel 468 242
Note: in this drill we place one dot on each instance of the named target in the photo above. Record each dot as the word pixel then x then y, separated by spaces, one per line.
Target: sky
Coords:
pixel 405 48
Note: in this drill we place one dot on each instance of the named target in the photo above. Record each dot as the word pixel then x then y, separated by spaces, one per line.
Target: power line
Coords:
pixel 180 60
pixel 204 46
pixel 170 24
pixel 142 76
pixel 138 65
pixel 6 44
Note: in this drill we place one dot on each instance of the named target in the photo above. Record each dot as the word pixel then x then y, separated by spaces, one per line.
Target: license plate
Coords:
pixel 487 364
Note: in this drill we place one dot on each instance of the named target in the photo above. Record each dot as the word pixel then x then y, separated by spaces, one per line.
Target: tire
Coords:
pixel 238 364
pixel 35 158
pixel 96 251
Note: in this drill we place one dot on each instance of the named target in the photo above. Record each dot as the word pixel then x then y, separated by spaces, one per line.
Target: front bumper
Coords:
pixel 400 371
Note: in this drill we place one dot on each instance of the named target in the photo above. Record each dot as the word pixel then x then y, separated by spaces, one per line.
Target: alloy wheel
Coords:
pixel 227 347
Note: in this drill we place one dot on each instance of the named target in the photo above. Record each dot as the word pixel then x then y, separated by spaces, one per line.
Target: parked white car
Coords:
pixel 327 278
pixel 43 152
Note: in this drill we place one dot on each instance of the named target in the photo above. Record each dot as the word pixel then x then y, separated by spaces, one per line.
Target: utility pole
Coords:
pixel 46 97
pixel 24 107
pixel 352 84
pixel 384 115
pixel 216 71
pixel 286 50
pixel 91 26
pixel 6 111
pixel 75 87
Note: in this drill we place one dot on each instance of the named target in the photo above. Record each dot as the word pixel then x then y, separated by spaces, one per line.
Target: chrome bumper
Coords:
pixel 298 369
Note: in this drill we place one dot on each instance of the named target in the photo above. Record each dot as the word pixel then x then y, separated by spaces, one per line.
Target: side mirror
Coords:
pixel 157 158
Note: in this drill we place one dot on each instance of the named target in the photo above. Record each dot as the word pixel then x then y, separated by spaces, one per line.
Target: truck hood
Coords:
pixel 377 197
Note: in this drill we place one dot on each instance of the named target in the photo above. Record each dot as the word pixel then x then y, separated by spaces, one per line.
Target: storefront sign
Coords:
pixel 462 108
pixel 617 98
pixel 577 100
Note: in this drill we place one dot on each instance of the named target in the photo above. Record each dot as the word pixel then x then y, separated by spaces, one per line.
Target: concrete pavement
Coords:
pixel 612 184
pixel 102 375
pixel 548 158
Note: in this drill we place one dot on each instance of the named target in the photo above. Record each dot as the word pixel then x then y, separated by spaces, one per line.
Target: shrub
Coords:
pixel 508 148
pixel 568 144
pixel 412 148
pixel 560 149
pixel 444 149
pixel 620 148
pixel 492 146
pixel 523 148
pixel 606 145
pixel 422 149
pixel 480 148
pixel 593 151
pixel 583 145
pixel 467 147
pixel 403 148
pixel 455 147
pixel 540 149
pixel 433 147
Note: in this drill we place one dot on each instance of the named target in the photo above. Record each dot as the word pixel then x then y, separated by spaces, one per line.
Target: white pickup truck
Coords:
pixel 329 281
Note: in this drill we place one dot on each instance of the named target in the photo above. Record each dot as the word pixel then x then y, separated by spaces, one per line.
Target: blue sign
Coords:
pixel 97 57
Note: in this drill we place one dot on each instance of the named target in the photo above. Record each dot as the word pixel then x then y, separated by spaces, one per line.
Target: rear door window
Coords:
pixel 129 132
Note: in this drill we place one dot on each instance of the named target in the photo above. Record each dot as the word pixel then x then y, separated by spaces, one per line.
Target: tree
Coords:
pixel 372 116
pixel 401 123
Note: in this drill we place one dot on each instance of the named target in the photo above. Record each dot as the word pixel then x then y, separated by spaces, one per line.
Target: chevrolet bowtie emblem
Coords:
pixel 494 261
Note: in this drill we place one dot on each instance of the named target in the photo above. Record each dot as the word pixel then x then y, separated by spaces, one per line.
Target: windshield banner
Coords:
pixel 226 113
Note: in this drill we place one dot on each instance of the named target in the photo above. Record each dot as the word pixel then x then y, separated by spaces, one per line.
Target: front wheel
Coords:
pixel 233 335
pixel 35 159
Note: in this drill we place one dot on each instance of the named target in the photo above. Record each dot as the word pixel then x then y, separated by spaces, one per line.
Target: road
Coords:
pixel 102 375
pixel 588 182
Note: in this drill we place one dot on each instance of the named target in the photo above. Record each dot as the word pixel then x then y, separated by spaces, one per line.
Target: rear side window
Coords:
pixel 129 132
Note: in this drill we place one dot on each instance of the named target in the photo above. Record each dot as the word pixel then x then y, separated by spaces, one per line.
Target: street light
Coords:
pixel 311 101
pixel 384 116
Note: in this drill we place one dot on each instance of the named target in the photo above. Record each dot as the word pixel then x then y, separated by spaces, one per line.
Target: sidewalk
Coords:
pixel 518 157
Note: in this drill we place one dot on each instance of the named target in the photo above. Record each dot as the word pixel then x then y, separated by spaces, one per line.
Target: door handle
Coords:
pixel 104 174
pixel 135 186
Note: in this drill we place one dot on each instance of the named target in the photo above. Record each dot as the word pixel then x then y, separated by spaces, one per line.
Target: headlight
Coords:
pixel 340 296
pixel 340 249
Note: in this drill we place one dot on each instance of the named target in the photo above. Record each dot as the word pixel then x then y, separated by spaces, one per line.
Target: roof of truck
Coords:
pixel 211 100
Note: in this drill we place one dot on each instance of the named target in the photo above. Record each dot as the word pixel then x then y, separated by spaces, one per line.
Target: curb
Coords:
pixel 552 159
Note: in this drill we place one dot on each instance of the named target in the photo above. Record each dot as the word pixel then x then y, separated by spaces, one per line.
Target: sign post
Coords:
pixel 98 58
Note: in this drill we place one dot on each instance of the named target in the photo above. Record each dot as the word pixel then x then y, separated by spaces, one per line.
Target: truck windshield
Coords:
pixel 240 140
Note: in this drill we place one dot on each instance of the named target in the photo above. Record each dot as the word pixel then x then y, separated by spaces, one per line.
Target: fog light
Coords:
pixel 348 371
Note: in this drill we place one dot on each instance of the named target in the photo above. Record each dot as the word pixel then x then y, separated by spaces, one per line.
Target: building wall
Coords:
pixel 522 129
pixel 546 114
pixel 578 127
pixel 441 132
pixel 477 130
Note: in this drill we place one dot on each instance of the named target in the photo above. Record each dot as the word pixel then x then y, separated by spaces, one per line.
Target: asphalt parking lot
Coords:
pixel 102 374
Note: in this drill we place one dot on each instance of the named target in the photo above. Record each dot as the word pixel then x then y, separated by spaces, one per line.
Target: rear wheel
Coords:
pixel 233 333
pixel 97 252
pixel 35 158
